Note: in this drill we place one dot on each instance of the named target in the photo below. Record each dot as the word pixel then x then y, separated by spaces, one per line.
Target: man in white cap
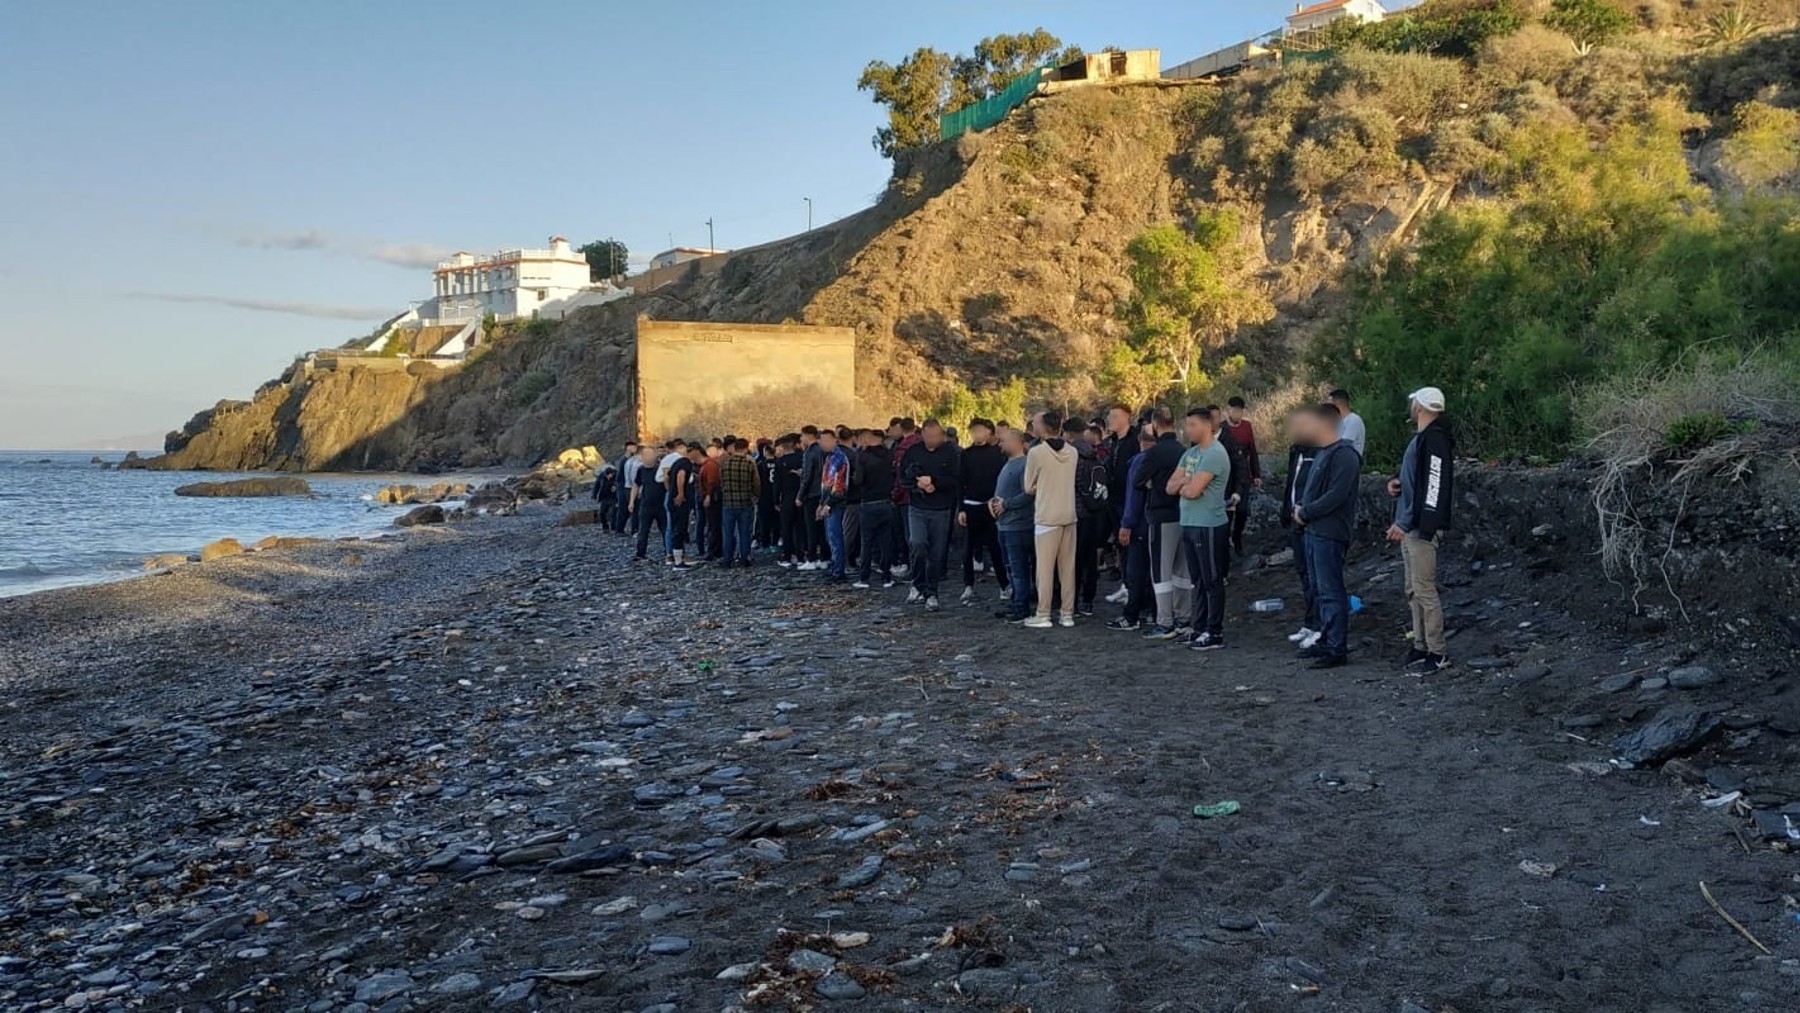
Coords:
pixel 1423 496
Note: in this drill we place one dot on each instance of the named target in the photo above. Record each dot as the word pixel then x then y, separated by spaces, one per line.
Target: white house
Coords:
pixel 681 255
pixel 508 284
pixel 1316 16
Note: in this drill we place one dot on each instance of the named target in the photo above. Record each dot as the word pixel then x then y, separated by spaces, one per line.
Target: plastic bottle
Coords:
pixel 1266 605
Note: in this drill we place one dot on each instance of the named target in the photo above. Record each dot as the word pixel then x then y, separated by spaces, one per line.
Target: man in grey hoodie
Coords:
pixel 1327 512
pixel 1013 516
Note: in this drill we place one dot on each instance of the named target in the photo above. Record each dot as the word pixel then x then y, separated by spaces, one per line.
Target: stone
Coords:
pixel 737 972
pixel 1618 683
pixel 862 875
pixel 220 549
pixel 669 946
pixel 460 982
pixel 1693 677
pixel 838 985
pixel 383 986
pixel 165 562
pixel 432 514
pixel 811 960
pixel 248 488
pixel 1583 721
pixel 1531 671
pixel 574 976
pixel 599 858
pixel 1672 732
pixel 987 982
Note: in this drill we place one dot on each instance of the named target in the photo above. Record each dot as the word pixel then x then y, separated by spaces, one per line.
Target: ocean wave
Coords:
pixel 29 571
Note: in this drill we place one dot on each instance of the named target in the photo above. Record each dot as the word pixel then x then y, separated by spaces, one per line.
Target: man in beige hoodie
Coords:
pixel 1050 480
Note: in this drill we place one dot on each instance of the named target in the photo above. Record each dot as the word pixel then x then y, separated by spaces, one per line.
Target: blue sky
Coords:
pixel 197 190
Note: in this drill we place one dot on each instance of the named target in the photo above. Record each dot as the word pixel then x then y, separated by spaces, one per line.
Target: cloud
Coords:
pixel 326 311
pixel 310 239
pixel 414 255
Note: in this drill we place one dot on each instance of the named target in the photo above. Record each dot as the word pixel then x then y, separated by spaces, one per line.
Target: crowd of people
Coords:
pixel 1045 506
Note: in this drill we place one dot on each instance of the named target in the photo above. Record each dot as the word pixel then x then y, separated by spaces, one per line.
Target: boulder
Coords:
pixel 577 518
pixel 249 487
pixel 394 495
pixel 432 514
pixel 1672 732
pixel 493 499
pixel 220 549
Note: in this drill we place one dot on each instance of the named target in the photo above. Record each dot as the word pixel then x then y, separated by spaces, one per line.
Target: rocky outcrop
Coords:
pixel 409 495
pixel 220 549
pixel 432 514
pixel 247 488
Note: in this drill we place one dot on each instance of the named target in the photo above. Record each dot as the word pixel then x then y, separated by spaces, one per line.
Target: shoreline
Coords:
pixel 495 763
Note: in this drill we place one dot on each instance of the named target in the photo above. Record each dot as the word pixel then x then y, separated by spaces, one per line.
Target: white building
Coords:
pixel 508 284
pixel 681 255
pixel 1316 16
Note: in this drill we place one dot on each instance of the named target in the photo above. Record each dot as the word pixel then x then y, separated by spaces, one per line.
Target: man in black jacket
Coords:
pixel 876 463
pixel 1237 492
pixel 1300 459
pixel 1423 494
pixel 981 463
pixel 929 473
pixel 1327 511
pixel 1162 519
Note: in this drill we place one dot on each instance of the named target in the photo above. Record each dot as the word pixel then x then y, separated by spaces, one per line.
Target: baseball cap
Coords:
pixel 1429 398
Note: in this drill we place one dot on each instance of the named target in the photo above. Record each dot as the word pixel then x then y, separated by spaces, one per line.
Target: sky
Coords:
pixel 194 192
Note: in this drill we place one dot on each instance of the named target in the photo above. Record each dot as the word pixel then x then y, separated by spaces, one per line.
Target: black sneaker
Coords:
pixel 1206 642
pixel 1314 652
pixel 1433 663
pixel 1128 625
pixel 1415 660
pixel 1331 661
pixel 1161 633
pixel 1084 609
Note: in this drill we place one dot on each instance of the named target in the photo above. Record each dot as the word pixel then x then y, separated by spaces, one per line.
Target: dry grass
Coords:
pixel 1629 423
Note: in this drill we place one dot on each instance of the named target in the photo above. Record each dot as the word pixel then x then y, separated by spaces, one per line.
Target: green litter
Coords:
pixel 1216 809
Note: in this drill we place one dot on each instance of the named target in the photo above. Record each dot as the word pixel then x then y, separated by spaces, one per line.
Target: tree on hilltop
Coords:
pixel 930 83
pixel 607 258
pixel 1187 297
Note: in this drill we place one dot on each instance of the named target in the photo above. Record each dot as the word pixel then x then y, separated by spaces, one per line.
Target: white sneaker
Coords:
pixel 1006 592
pixel 1121 596
pixel 931 604
pixel 1312 638
pixel 1037 623
pixel 913 597
pixel 968 596
pixel 1295 638
pixel 860 586
pixel 1065 620
pixel 785 564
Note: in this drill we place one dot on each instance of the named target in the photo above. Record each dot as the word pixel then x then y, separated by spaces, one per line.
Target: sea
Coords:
pixel 65 520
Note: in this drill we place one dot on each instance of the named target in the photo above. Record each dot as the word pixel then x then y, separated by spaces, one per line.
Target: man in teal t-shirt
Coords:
pixel 1205 476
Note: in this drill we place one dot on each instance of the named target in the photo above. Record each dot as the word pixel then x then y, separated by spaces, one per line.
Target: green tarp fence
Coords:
pixel 991 110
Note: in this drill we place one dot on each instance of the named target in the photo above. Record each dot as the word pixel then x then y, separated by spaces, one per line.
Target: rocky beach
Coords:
pixel 495 765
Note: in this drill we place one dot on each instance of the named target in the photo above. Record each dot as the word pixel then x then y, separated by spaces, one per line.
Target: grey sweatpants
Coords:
pixel 1168 574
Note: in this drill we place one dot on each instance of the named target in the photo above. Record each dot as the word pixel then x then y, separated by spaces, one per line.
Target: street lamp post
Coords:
pixel 711 243
pixel 808 201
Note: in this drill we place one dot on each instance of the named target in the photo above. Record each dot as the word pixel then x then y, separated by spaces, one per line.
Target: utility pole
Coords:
pixel 808 201
pixel 711 243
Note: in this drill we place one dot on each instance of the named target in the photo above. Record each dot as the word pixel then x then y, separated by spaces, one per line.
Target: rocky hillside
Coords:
pixel 1002 255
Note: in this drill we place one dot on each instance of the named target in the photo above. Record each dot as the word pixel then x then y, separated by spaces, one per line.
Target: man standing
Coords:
pixel 928 471
pixel 1117 451
pixel 1300 459
pixel 812 527
pixel 1327 511
pixel 981 463
pixel 768 504
pixel 1012 509
pixel 876 512
pixel 677 451
pixel 648 502
pixel 1134 557
pixel 905 435
pixel 740 486
pixel 849 442
pixel 789 463
pixel 1092 521
pixel 628 469
pixel 684 493
pixel 1169 578
pixel 1050 479
pixel 1244 436
pixel 1351 427
pixel 1201 481
pixel 710 544
pixel 834 492
pixel 1422 498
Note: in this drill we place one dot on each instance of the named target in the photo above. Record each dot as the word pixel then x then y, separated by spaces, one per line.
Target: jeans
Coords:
pixel 1055 544
pixel 1142 598
pixel 1020 548
pixel 1420 556
pixel 902 533
pixel 793 533
pixel 816 549
pixel 1325 561
pixel 981 536
pixel 1208 555
pixel 739 523
pixel 714 541
pixel 876 519
pixel 768 522
pixel 650 511
pixel 1297 543
pixel 679 514
pixel 1089 534
pixel 834 541
pixel 929 533
pixel 621 511
pixel 852 531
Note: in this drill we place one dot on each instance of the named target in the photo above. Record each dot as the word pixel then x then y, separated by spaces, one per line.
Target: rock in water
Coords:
pixel 220 549
pixel 1672 732
pixel 248 487
pixel 420 515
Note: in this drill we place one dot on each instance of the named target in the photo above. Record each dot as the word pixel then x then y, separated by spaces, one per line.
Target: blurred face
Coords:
pixel 1118 420
pixel 828 441
pixel 647 455
pixel 1197 429
pixel 714 451
pixel 1235 414
pixel 980 434
pixel 933 436
pixel 1012 441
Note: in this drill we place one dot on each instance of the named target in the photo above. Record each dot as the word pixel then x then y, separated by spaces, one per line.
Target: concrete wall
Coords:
pixel 712 374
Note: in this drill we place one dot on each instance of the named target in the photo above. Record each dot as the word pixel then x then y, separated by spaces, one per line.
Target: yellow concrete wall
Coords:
pixel 716 374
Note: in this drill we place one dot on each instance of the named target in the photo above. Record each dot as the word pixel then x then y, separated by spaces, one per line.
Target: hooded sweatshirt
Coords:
pixel 1050 479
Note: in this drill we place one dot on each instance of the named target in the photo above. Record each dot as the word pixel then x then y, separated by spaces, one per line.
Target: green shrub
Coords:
pixel 1703 429
pixel 1764 146
pixel 532 386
